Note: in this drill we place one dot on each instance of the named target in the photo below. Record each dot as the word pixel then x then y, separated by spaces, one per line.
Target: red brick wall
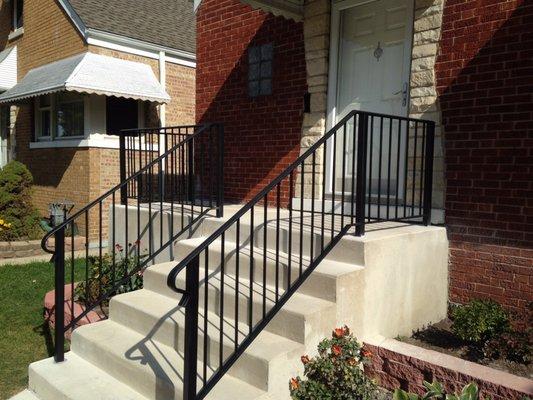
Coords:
pixel 484 77
pixel 262 135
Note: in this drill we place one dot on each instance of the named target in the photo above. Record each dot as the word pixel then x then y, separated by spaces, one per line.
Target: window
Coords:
pixel 69 115
pixel 60 116
pixel 17 14
pixel 44 117
pixel 121 114
pixel 4 135
pixel 260 70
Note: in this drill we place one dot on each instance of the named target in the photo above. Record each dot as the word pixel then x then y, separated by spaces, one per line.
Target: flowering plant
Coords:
pixel 4 225
pixel 336 373
pixel 112 274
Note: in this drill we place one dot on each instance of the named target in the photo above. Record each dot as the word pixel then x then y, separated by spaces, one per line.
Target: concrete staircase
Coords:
pixel 389 282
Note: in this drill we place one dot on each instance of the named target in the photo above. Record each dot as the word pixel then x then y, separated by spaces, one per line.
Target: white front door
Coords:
pixel 370 68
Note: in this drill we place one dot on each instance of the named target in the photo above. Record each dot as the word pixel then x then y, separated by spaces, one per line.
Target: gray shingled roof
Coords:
pixel 169 23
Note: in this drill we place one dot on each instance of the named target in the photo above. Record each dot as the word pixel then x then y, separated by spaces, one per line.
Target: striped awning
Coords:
pixel 8 68
pixel 93 74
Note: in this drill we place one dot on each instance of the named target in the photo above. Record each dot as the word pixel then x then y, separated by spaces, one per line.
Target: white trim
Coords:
pixel 16 33
pixel 75 18
pixel 95 140
pixel 140 48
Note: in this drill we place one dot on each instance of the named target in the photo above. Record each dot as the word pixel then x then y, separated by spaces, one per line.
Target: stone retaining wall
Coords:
pixel 23 248
pixel 400 365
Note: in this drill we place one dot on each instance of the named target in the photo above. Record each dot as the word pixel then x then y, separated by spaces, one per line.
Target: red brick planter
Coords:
pixel 400 365
pixel 49 311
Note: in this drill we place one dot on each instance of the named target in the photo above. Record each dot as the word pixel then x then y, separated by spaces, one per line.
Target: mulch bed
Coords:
pixel 439 337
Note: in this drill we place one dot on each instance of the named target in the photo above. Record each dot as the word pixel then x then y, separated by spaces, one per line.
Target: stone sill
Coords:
pixel 448 369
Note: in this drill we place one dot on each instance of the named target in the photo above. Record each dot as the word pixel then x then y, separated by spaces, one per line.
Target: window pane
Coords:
pixel 44 123
pixel 69 115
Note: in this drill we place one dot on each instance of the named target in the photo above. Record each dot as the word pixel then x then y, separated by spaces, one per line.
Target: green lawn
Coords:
pixel 25 337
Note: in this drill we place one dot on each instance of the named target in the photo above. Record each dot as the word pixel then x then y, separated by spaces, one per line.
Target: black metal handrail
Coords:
pixel 185 180
pixel 386 167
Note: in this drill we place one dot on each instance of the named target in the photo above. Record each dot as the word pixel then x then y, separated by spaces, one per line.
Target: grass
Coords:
pixel 25 336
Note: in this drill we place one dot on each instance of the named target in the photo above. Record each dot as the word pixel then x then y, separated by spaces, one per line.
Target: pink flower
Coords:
pixel 119 247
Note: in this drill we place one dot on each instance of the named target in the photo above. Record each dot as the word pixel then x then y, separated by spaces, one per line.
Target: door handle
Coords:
pixel 405 92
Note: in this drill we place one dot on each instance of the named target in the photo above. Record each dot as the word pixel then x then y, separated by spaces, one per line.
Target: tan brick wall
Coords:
pixel 5 22
pixel 48 35
pixel 181 84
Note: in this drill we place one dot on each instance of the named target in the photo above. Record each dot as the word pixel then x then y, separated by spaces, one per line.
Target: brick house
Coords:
pixel 462 64
pixel 353 162
pixel 75 73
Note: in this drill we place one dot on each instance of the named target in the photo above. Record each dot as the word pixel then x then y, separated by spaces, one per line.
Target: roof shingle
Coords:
pixel 169 23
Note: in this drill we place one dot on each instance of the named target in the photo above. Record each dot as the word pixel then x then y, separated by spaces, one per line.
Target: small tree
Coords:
pixel 20 217
pixel 336 373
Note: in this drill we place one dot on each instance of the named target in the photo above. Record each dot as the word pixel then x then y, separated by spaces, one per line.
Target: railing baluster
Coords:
pixel 59 263
pixel 237 267
pixel 252 271
pixel 221 311
pixel 389 160
pixel 428 173
pixel 413 188
pixel 278 193
pixel 289 250
pixel 265 238
pixel 191 330
pixel 380 161
pixel 361 175
pixel 398 155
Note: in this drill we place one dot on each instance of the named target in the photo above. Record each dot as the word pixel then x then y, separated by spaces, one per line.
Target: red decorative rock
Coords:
pixel 71 309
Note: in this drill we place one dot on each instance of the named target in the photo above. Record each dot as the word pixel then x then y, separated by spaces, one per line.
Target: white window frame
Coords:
pixel 53 120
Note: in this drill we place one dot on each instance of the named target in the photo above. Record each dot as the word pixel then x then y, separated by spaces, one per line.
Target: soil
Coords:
pixel 439 337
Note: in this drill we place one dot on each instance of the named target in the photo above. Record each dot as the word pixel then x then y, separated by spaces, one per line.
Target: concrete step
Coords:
pixel 76 379
pixel 301 315
pixel 322 283
pixel 160 318
pixel 147 366
pixel 25 395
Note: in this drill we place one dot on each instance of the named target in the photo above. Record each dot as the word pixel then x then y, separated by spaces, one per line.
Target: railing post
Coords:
pixel 360 187
pixel 428 172
pixel 220 172
pixel 190 169
pixel 59 312
pixel 191 330
pixel 122 158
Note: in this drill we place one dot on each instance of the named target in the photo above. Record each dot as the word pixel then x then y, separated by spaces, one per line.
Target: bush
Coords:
pixel 104 274
pixel 20 219
pixel 436 391
pixel 336 373
pixel 479 321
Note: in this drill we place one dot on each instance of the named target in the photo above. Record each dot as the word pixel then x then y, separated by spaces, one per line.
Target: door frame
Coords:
pixel 337 7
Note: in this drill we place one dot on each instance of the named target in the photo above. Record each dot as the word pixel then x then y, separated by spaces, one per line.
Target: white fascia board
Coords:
pixel 74 17
pixel 140 48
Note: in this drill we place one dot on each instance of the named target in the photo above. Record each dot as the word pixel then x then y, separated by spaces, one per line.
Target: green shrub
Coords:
pixel 479 321
pixel 336 373
pixel 104 274
pixel 20 217
pixel 436 391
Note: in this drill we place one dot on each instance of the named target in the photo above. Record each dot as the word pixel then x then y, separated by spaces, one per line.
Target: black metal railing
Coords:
pixel 140 147
pixel 379 169
pixel 125 229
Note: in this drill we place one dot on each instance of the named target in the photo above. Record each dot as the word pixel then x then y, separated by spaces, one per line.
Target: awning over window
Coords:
pixel 292 9
pixel 8 68
pixel 90 73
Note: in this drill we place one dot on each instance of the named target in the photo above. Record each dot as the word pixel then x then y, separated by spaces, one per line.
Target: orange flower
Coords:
pixel 336 350
pixel 352 361
pixel 338 333
pixel 366 353
pixel 341 332
pixel 294 384
pixel 305 360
